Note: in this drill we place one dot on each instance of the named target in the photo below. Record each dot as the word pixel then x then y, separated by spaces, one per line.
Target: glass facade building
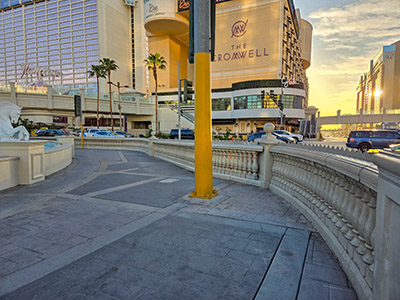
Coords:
pixel 48 43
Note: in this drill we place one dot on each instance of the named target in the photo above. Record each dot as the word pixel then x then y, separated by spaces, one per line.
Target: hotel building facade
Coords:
pixel 379 87
pixel 258 42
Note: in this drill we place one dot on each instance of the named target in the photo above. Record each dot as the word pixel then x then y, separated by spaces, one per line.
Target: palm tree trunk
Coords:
pixel 155 79
pixel 109 89
pixel 98 102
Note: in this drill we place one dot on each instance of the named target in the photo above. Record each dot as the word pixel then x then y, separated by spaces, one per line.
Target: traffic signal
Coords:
pixel 187 90
pixel 262 95
pixel 77 105
pixel 273 97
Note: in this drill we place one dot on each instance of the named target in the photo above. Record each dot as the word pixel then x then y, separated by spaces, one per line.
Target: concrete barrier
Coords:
pixel 8 171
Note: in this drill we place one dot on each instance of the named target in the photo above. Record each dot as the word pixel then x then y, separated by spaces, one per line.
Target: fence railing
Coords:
pixel 354 204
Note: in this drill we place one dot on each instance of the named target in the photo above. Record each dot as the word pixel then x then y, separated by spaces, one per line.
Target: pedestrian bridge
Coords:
pixel 362 118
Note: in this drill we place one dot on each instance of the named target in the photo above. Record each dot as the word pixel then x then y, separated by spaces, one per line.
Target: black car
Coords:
pixel 185 134
pixel 364 140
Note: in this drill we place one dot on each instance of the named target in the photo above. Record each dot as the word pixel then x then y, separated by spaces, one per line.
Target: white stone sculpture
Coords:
pixel 9 113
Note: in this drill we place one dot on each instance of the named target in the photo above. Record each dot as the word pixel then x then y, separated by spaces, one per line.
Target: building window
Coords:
pixel 240 102
pixel 221 104
pixel 254 102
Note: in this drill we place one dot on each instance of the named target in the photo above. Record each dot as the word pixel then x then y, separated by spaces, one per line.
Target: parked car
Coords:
pixel 364 140
pixel 125 134
pixel 50 132
pixel 296 136
pixel 102 133
pixel 92 131
pixel 185 134
pixel 283 138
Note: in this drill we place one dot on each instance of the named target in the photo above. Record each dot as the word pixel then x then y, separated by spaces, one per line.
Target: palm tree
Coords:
pixel 154 62
pixel 99 72
pixel 109 65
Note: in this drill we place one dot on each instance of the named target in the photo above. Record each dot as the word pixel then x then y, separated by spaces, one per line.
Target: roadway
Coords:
pixel 330 141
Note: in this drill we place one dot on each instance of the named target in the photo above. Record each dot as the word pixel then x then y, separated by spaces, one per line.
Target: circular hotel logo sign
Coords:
pixel 239 28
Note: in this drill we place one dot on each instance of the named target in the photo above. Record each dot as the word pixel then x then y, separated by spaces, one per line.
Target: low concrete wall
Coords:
pixel 57 159
pixel 9 172
pixel 27 163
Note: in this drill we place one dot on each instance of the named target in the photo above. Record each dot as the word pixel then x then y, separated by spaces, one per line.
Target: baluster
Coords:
pixel 237 163
pixel 249 165
pixel 231 162
pixel 340 197
pixel 254 166
pixel 342 211
pixel 350 212
pixel 243 164
pixel 363 221
pixel 369 230
pixel 355 242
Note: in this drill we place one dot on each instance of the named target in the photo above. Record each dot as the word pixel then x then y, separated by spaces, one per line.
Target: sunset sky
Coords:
pixel 347 35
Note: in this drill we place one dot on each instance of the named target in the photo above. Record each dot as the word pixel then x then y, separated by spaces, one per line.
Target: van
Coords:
pixel 185 134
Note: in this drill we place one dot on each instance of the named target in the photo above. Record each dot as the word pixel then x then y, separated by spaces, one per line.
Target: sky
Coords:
pixel 347 34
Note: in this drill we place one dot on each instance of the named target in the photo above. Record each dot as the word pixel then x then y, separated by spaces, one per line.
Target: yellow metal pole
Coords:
pixel 203 137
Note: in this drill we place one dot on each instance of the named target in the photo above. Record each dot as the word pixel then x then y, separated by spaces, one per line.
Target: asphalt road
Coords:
pixel 330 141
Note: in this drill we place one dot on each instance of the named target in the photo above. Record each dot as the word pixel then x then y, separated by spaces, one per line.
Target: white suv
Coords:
pixel 297 136
pixel 92 131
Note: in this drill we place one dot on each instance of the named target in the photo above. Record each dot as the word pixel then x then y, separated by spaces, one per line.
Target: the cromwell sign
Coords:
pixel 241 51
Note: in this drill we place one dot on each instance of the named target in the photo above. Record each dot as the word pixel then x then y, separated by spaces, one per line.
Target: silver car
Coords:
pixel 296 136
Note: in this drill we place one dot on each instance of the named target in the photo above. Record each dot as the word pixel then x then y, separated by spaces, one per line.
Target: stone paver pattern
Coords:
pixel 120 225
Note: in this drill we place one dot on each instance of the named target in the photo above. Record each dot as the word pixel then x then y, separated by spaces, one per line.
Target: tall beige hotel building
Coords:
pixel 258 42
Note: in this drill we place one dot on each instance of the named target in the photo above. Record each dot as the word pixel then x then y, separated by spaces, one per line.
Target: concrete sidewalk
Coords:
pixel 119 225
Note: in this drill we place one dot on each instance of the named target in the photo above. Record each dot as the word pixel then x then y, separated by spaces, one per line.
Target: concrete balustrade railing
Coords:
pixel 232 161
pixel 237 162
pixel 338 194
pixel 139 144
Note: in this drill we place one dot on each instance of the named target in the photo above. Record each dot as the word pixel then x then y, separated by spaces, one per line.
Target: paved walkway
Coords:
pixel 119 225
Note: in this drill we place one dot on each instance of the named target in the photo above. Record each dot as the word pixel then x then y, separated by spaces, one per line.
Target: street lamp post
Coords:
pixel 118 85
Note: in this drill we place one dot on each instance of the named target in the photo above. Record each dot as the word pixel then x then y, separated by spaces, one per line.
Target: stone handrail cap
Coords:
pixel 389 161
pixel 269 127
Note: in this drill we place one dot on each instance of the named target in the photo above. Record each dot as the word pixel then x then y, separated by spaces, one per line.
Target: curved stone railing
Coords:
pixel 237 161
pixel 139 144
pixel 232 161
pixel 338 194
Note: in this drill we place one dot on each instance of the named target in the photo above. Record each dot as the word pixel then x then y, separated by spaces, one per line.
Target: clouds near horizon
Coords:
pixel 346 38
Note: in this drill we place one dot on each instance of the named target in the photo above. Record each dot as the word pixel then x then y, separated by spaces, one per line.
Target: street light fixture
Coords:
pixel 118 85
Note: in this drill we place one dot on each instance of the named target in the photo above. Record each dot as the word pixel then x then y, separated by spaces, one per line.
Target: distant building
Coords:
pixel 379 87
pixel 258 42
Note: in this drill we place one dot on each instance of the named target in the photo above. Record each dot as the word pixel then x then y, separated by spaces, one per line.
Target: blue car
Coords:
pixel 364 140
pixel 257 135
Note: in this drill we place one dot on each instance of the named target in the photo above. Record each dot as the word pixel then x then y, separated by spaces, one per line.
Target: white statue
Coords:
pixel 9 113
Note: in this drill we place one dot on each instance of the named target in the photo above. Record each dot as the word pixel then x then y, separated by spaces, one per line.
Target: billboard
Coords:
pixel 247 44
